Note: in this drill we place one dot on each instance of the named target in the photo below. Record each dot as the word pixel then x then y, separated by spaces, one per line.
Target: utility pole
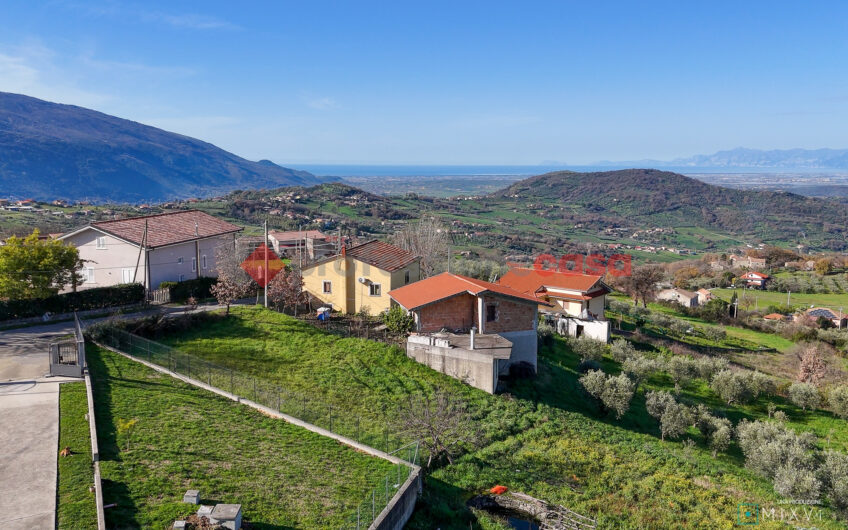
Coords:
pixel 265 274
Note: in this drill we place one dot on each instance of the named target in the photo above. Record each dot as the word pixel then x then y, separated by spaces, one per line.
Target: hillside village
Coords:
pixel 662 337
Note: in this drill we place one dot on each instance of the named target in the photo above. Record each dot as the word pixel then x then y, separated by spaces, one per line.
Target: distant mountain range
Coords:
pixel 753 158
pixel 49 150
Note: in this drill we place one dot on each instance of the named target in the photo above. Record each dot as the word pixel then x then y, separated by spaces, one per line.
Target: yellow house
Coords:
pixel 360 278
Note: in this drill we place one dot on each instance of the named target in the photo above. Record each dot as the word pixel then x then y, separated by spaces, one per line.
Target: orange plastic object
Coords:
pixel 498 490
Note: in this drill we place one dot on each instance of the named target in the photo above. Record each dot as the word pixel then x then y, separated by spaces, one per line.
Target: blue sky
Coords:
pixel 445 82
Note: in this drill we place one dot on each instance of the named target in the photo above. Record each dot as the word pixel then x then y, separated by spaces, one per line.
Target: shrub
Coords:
pixel 715 334
pixel 639 367
pixel 198 288
pixel 622 350
pixel 798 483
pixel 838 400
pixel 617 306
pixel 96 298
pixel 761 384
pixel 682 369
pixel 835 478
pixel 732 387
pixel 804 395
pixel 397 320
pixel 674 417
pixel 708 366
pixel 614 392
pixel 717 431
pixel 769 447
pixel 545 333
pixel 588 348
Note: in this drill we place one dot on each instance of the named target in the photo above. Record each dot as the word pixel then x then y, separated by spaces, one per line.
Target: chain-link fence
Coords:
pixel 373 432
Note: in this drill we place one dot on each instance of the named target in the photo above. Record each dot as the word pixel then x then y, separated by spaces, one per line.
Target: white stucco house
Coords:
pixel 150 249
pixel 574 302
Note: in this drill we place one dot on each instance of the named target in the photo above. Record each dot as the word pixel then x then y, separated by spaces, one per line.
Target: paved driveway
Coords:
pixel 29 432
pixel 23 352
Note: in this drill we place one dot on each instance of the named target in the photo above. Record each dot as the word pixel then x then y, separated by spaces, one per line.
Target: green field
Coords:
pixel 75 504
pixel 188 438
pixel 763 299
pixel 543 437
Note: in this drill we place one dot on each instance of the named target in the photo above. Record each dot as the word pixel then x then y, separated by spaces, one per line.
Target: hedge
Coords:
pixel 198 288
pixel 96 298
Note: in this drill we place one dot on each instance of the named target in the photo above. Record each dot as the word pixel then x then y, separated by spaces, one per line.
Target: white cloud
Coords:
pixel 31 69
pixel 320 103
pixel 190 21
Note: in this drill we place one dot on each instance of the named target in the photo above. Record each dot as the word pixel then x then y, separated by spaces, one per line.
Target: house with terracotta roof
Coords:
pixel 754 280
pixel 360 277
pixel 574 302
pixel 470 329
pixel 150 249
pixel 813 314
pixel 704 295
pixel 681 296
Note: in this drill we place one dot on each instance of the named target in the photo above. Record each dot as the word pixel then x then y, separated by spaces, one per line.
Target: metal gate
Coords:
pixel 67 358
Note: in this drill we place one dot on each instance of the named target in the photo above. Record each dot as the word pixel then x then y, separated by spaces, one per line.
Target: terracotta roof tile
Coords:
pixel 381 255
pixel 446 285
pixel 167 228
pixel 531 281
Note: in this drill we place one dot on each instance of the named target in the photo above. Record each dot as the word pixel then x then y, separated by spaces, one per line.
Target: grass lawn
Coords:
pixel 188 438
pixel 75 505
pixel 766 298
pixel 543 437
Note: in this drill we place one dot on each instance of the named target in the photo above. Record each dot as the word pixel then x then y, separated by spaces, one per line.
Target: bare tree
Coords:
pixel 427 238
pixel 233 282
pixel 285 290
pixel 640 285
pixel 441 421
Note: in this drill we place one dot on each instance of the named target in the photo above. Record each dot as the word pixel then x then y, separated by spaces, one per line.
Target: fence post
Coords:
pixel 373 499
pixel 170 360
pixel 189 366
pixel 210 374
pixel 357 429
pixel 387 490
pixel 386 433
pixel 232 386
pixel 254 390
pixel 331 419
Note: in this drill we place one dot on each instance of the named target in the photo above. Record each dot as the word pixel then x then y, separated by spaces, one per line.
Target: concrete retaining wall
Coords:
pixel 400 508
pixel 95 455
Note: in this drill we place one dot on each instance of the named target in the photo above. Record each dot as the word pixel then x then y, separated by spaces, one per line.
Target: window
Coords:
pixel 127 275
pixel 193 264
pixel 182 277
pixel 374 289
pixel 203 261
pixel 101 242
pixel 491 313
pixel 328 287
pixel 406 277
pixel 179 261
pixel 89 275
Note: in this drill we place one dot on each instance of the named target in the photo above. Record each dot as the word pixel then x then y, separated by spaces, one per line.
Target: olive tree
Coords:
pixel 718 431
pixel 588 349
pixel 621 350
pixel 732 387
pixel 613 392
pixel 804 395
pixel 674 417
pixel 838 400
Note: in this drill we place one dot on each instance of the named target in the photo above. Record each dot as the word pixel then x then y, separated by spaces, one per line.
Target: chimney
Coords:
pixel 196 231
